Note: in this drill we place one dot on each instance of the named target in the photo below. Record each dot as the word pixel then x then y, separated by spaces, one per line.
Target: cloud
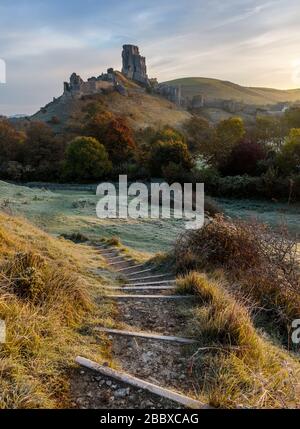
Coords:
pixel 251 42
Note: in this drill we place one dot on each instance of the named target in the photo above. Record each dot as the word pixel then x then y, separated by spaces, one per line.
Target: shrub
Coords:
pixel 261 262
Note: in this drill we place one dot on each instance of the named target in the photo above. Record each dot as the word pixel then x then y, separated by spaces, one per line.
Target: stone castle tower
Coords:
pixel 134 65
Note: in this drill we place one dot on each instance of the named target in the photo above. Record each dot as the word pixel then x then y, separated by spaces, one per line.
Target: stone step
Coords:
pixel 149 336
pixel 141 384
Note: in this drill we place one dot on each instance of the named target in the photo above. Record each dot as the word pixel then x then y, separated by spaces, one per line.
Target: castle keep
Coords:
pixel 134 65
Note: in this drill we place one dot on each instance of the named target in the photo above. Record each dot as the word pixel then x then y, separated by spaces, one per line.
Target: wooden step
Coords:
pixel 116 257
pixel 148 336
pixel 141 288
pixel 108 255
pixel 119 262
pixel 141 384
pixel 130 268
pixel 151 277
pixel 168 282
pixel 164 297
pixel 140 272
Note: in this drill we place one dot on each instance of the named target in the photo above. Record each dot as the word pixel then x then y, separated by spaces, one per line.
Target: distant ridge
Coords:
pixel 225 90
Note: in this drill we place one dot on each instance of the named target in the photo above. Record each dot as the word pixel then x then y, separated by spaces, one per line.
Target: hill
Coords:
pixel 224 90
pixel 140 108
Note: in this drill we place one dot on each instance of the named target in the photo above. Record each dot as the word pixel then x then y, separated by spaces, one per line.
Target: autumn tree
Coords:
pixel 86 159
pixel 115 134
pixel 119 141
pixel 11 142
pixel 43 151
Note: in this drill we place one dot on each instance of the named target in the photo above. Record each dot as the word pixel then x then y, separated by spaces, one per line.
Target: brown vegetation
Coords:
pixel 260 264
pixel 234 365
pixel 45 294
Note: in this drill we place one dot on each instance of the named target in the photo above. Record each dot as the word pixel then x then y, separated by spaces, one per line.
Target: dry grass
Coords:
pixel 235 366
pixel 45 296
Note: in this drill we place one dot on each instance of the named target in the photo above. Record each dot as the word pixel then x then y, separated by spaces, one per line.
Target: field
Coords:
pixel 71 209
pixel 73 276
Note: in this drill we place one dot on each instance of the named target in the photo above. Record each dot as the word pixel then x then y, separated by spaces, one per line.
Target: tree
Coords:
pixel 229 133
pixel 289 159
pixel 292 117
pixel 44 152
pixel 114 133
pixel 11 142
pixel 119 141
pixel 169 134
pixel 86 159
pixel 244 158
pixel 97 124
pixel 201 136
pixel 170 150
pixel 270 131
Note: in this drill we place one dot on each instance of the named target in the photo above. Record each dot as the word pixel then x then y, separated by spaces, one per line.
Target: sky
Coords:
pixel 249 42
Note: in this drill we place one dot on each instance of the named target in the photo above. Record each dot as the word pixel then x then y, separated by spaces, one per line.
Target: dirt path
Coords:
pixel 163 363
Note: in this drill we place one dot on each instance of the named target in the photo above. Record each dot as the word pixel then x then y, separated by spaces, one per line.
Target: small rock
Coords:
pixel 122 393
pixel 82 372
pixel 108 383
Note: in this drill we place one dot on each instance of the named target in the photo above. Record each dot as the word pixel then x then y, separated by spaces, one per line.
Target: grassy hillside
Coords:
pixel 46 294
pixel 219 89
pixel 141 109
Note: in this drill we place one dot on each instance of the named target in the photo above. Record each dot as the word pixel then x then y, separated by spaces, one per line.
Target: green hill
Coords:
pixel 219 89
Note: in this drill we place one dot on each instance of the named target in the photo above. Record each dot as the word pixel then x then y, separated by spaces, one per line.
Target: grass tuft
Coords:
pixel 234 365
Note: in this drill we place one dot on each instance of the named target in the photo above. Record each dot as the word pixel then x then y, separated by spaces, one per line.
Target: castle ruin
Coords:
pixel 134 65
pixel 133 68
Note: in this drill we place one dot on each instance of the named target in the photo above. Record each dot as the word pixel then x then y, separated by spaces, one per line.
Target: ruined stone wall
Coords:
pixel 77 87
